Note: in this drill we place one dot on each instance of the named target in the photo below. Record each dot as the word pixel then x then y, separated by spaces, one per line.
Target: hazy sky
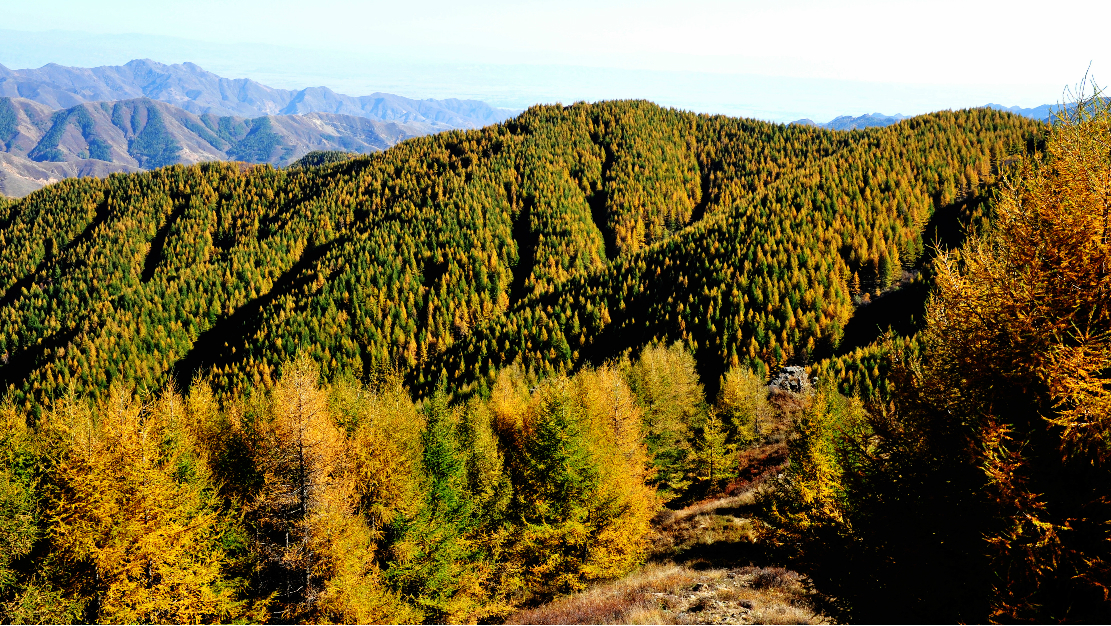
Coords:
pixel 1023 53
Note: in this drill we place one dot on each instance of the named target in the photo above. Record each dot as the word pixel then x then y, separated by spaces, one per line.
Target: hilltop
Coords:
pixel 539 240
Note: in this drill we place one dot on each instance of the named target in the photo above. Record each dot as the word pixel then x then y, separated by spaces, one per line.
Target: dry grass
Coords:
pixel 713 506
pixel 702 571
pixel 675 594
pixel 639 598
pixel 721 522
pixel 756 465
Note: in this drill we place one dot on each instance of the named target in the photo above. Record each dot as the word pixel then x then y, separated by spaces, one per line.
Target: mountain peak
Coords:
pixel 1043 112
pixel 848 122
pixel 198 91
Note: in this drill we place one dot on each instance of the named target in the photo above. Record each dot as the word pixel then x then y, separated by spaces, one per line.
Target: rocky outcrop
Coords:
pixel 790 379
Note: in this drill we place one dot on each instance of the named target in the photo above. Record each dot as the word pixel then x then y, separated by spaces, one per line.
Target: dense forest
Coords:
pixel 979 490
pixel 565 236
pixel 462 375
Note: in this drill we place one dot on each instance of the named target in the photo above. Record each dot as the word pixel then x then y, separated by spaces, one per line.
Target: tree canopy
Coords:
pixel 567 235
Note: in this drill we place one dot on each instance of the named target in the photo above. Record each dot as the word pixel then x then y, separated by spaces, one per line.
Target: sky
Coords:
pixel 773 60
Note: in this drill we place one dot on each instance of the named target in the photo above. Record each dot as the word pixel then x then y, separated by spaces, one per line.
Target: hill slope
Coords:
pixel 564 236
pixel 197 91
pixel 129 135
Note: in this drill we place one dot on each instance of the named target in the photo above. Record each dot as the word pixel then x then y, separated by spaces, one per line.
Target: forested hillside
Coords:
pixel 460 376
pixel 564 236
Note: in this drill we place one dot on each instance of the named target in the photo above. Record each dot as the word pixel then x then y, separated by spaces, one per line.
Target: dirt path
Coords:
pixel 706 568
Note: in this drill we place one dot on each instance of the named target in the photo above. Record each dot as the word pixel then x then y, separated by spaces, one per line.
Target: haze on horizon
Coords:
pixel 796 59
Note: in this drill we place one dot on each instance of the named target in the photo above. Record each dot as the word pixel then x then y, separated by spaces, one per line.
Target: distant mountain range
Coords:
pixel 1043 112
pixel 40 146
pixel 848 122
pixel 197 91
pixel 57 122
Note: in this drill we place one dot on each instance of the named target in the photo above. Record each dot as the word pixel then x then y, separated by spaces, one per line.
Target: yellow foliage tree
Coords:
pixel 136 507
pixel 28 593
pixel 306 510
pixel 743 404
pixel 578 465
pixel 1020 334
pixel 665 383
pixel 615 432
pixel 384 447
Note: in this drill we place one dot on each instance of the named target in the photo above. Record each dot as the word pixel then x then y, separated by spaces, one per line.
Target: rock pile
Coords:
pixel 792 379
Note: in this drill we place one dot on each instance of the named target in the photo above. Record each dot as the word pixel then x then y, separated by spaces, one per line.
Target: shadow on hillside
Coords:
pixel 598 200
pixel 903 310
pixel 220 344
pixel 713 534
pixel 727 554
pixel 526 250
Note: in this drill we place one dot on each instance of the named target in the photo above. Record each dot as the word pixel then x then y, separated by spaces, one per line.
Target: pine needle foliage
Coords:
pixel 979 491
pixel 1024 310
pixel 357 504
pixel 565 236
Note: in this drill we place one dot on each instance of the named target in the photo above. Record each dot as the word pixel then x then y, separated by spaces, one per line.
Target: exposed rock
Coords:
pixel 20 176
pixel 792 379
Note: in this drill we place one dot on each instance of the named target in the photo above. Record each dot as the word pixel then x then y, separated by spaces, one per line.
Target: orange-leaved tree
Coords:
pixel 320 554
pixel 1020 328
pixel 981 490
pixel 136 518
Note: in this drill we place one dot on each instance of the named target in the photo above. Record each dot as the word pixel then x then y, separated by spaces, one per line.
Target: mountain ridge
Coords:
pixel 198 91
pixel 137 134
pixel 848 122
pixel 1041 113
